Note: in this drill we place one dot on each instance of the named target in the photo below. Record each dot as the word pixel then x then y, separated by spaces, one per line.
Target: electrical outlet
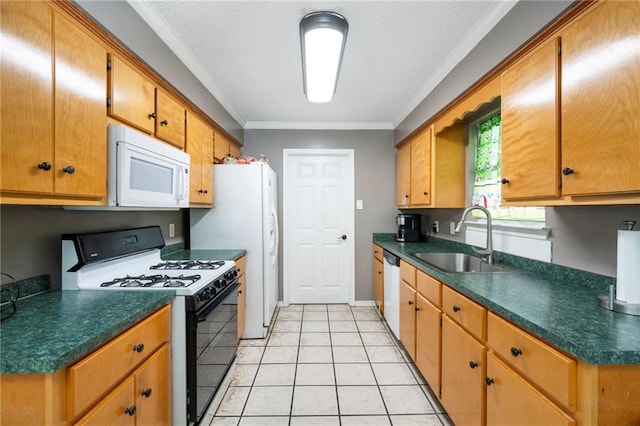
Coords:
pixel 435 227
pixel 172 230
pixel 452 228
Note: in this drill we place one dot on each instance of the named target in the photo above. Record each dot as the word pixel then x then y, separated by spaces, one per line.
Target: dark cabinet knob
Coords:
pixel 410 302
pixel 504 181
pixel 406 195
pixel 417 309
pixel 139 347
pixel 516 352
pixel 69 169
pixel 164 123
pixel 425 193
pixel 46 166
pixel 456 308
pixel 204 191
pixel 152 115
pixel 473 364
pixel 130 410
pixel 567 171
pixel 489 381
pixel 239 291
pixel 199 191
pixel 146 393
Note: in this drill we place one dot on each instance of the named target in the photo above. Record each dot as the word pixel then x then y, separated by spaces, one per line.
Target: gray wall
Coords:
pixel 374 182
pixel 523 21
pixel 30 243
pixel 119 18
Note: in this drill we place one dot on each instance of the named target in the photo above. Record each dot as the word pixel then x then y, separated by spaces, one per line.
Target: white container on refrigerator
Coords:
pixel 245 216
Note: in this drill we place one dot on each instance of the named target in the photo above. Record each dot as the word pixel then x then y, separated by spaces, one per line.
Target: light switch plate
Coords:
pixel 359 205
pixel 452 228
pixel 172 230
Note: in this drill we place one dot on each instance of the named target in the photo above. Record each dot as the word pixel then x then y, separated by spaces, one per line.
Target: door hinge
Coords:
pixel 108 64
pixel 108 101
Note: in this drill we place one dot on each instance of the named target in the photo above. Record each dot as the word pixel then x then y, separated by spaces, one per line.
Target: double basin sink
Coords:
pixel 458 262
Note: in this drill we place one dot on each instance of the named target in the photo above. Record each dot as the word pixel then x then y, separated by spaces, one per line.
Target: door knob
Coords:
pixel 343 237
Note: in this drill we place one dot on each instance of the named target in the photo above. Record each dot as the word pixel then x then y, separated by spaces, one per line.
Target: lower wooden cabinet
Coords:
pixel 511 400
pixel 428 338
pixel 378 277
pixel 463 375
pixel 242 295
pixel 408 318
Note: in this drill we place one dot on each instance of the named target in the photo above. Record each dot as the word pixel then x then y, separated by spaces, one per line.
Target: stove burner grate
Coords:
pixel 153 280
pixel 189 264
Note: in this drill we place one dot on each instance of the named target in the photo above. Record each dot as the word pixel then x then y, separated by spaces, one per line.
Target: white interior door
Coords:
pixel 318 240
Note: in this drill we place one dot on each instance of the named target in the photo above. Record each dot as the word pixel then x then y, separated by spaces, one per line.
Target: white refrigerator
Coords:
pixel 245 216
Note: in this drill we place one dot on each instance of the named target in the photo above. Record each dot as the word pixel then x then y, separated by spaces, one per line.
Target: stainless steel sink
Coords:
pixel 458 262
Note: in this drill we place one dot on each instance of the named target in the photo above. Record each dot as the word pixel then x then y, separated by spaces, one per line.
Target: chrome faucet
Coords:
pixel 487 252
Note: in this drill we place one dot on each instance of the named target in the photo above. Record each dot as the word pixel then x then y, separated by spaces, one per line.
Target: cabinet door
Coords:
pixel 80 119
pixel 463 375
pixel 170 121
pixel 601 100
pixel 132 96
pixel 153 389
pixel 403 175
pixel 428 335
pixel 116 409
pixel 234 150
pixel 26 97
pixel 421 169
pixel 512 401
pixel 200 148
pixel 408 318
pixel 378 283
pixel 530 127
pixel 242 303
pixel 220 146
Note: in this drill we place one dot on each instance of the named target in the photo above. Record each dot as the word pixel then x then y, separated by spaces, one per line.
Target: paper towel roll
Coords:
pixel 628 279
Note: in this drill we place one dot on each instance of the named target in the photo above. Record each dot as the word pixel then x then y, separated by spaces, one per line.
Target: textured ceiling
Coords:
pixel 247 53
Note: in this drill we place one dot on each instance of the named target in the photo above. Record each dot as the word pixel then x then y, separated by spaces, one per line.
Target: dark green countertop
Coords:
pixel 232 254
pixel 52 330
pixel 559 306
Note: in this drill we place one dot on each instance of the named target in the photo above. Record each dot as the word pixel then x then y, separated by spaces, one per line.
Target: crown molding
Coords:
pixel 275 125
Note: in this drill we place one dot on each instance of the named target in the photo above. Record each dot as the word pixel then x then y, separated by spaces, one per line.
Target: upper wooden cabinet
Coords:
pixel 403 175
pixel 530 125
pixel 571 113
pixel 52 107
pixel 200 148
pixel 223 147
pixel 135 100
pixel 601 100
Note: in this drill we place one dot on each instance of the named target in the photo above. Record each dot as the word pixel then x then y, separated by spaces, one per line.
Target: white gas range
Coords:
pixel 204 309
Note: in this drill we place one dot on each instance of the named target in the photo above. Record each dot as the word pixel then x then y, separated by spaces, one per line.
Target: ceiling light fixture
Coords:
pixel 322 36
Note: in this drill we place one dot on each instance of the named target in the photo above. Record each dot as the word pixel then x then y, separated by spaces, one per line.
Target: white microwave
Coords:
pixel 144 172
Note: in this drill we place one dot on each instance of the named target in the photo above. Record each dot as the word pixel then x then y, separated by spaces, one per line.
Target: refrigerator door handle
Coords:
pixel 275 235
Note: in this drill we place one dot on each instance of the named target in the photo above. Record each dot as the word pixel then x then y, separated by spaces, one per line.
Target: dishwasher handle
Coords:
pixel 391 258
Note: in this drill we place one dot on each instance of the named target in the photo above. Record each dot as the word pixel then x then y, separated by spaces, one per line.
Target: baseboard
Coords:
pixel 281 304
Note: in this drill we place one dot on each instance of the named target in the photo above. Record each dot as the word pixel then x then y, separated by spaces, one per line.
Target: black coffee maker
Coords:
pixel 408 227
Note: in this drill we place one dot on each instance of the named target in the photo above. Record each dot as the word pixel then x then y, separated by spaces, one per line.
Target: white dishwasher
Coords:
pixel 392 292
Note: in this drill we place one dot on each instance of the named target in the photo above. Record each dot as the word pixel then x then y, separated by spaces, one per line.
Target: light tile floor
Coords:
pixel 325 365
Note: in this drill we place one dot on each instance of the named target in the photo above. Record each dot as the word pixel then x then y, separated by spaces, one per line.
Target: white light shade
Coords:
pixel 323 36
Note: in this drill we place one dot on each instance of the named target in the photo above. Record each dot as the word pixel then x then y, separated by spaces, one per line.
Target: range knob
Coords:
pixel 231 275
pixel 219 283
pixel 205 294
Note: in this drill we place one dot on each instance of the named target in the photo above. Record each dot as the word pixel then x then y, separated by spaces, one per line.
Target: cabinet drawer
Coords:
pixel 377 253
pixel 408 273
pixel 550 370
pixel 241 264
pixel 91 378
pixel 465 312
pixel 429 287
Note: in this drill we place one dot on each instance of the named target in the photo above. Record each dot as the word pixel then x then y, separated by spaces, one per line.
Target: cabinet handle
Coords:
pixel 139 347
pixel 567 171
pixel 489 381
pixel 425 193
pixel 152 115
pixel 379 273
pixel 164 123
pixel 516 352
pixel 473 364
pixel 410 302
pixel 504 181
pixel 205 191
pixel 239 291
pixel 456 308
pixel 417 309
pixel 46 166
pixel 146 393
pixel 130 410
pixel 69 169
